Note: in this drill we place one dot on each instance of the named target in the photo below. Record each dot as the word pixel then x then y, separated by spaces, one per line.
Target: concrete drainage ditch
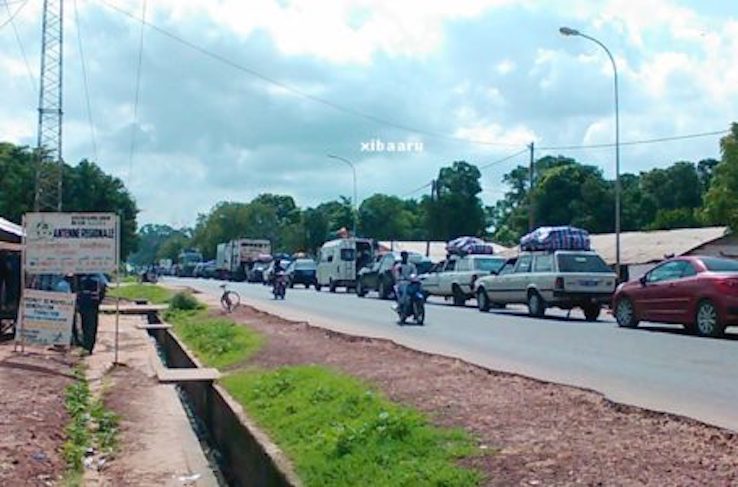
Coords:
pixel 243 453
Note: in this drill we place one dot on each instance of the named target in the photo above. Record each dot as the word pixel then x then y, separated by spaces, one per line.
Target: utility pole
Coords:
pixel 48 196
pixel 432 199
pixel 531 179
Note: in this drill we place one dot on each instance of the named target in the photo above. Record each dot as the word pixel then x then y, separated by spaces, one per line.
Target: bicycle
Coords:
pixel 229 300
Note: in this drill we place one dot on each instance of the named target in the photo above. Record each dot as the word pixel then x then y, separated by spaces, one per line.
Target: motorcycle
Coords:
pixel 279 287
pixel 413 302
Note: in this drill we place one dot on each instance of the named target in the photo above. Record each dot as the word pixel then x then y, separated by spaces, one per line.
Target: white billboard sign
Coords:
pixel 46 318
pixel 70 243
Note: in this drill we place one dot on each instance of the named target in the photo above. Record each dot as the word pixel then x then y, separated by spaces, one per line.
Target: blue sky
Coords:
pixel 469 70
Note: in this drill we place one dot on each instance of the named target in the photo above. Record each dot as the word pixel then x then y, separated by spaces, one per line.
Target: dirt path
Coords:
pixel 544 434
pixel 32 415
pixel 157 444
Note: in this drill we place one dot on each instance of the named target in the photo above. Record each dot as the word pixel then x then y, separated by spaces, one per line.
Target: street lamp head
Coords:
pixel 567 31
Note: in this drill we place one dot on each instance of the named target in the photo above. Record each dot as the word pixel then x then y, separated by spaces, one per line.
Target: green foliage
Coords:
pixel 340 432
pixel 136 292
pixel 217 342
pixel 151 241
pixel 86 188
pixel 457 209
pixel 184 301
pixel 385 217
pixel 721 200
pixel 76 403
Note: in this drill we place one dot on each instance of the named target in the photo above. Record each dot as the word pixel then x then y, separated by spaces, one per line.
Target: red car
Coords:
pixel 700 293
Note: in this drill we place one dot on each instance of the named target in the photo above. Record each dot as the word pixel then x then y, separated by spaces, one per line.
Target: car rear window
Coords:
pixel 582 263
pixel 715 264
pixel 305 265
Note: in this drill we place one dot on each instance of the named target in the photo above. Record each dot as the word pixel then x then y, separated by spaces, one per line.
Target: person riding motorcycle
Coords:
pixel 402 273
pixel 277 272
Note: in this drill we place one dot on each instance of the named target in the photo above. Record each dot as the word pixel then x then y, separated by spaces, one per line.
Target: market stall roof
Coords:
pixel 10 232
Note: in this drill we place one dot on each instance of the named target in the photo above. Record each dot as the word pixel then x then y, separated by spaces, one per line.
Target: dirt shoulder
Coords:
pixel 32 415
pixel 544 434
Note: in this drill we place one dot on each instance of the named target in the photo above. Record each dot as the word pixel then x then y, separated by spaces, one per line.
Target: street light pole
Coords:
pixel 566 31
pixel 356 201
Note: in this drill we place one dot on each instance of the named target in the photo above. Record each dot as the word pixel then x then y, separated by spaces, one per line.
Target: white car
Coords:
pixel 456 276
pixel 564 279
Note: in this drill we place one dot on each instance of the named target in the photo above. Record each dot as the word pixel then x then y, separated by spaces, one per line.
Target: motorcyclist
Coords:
pixel 276 270
pixel 402 273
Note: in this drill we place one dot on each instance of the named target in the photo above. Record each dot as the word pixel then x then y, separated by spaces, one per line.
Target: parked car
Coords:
pixel 456 276
pixel 340 260
pixel 700 293
pixel 378 275
pixel 563 279
pixel 209 270
pixel 301 271
pixel 256 273
pixel 198 269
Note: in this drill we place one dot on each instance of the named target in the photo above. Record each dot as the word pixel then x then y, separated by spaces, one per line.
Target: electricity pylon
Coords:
pixel 48 195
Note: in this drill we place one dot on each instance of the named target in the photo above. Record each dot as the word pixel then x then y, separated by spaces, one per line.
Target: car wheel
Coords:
pixel 625 313
pixel 592 312
pixel 331 286
pixel 482 300
pixel 382 290
pixel 360 291
pixel 536 305
pixel 459 298
pixel 707 320
pixel 317 287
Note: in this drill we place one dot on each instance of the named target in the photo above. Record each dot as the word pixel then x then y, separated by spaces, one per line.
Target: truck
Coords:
pixel 186 262
pixel 340 260
pixel 235 258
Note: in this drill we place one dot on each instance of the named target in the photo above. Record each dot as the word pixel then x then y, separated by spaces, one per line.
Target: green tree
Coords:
pixel 385 217
pixel 721 200
pixel 457 209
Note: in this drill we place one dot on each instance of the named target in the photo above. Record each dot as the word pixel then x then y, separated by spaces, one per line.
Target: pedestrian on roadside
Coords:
pixel 89 297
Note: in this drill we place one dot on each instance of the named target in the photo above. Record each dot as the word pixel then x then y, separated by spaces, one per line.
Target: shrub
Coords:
pixel 184 301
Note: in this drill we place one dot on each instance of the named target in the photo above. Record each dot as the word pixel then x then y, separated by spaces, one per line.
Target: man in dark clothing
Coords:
pixel 90 294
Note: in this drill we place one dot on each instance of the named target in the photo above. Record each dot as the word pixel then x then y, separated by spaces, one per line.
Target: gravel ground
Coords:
pixel 541 433
pixel 32 415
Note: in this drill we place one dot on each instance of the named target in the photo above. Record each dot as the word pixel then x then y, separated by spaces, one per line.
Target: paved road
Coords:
pixel 656 367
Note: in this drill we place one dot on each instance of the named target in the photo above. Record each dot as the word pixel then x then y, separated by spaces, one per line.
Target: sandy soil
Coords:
pixel 32 415
pixel 543 434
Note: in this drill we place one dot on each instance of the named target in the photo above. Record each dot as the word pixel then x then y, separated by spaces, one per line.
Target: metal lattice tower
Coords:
pixel 49 167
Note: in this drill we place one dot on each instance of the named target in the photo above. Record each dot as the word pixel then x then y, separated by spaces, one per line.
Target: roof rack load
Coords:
pixel 556 238
pixel 469 245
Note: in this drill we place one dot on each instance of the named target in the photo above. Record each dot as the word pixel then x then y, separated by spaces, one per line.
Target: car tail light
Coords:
pixel 559 284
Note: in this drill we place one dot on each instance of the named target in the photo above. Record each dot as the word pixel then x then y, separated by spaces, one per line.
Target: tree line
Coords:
pixel 564 192
pixel 86 188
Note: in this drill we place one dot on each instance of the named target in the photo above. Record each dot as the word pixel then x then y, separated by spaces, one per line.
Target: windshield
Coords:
pixel 715 264
pixel 582 263
pixel 305 265
pixel 191 258
pixel 488 265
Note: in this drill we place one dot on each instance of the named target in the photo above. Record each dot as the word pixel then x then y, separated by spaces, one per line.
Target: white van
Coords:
pixel 339 262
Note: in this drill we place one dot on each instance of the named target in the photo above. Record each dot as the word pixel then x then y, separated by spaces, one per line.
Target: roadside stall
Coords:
pixel 11 236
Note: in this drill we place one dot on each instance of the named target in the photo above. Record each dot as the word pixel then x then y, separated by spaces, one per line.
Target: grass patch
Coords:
pixel 91 426
pixel 340 432
pixel 150 292
pixel 217 342
pixel 129 279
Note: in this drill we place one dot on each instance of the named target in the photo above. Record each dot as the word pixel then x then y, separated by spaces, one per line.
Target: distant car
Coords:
pixel 700 293
pixel 209 270
pixel 256 273
pixel 198 269
pixel 456 277
pixel 378 275
pixel 301 271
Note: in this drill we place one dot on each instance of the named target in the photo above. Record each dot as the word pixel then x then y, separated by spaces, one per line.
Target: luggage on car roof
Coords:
pixel 555 238
pixel 469 245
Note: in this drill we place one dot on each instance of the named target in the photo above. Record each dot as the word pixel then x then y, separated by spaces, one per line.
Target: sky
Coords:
pixel 238 98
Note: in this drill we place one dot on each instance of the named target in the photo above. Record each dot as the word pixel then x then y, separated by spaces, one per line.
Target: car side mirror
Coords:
pixel 494 273
pixel 643 281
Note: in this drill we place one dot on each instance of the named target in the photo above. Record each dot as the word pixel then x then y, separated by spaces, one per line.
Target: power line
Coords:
pixel 429 183
pixel 137 92
pixel 637 142
pixel 504 159
pixel 297 91
pixel 85 83
pixel 14 14
pixel 31 78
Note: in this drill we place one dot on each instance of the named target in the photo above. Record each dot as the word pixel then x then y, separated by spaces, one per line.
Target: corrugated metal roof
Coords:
pixel 646 247
pixel 8 227
pixel 437 249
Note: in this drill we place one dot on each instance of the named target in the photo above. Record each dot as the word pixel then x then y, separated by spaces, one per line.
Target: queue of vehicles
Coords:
pixel 699 292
